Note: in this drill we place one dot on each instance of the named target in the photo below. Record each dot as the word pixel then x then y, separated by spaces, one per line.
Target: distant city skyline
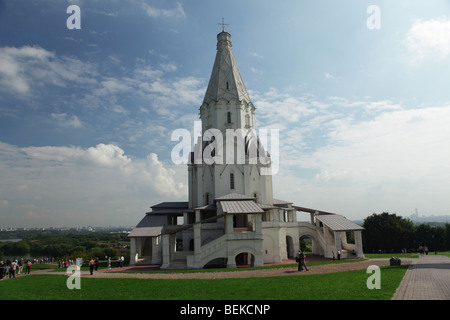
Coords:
pixel 88 102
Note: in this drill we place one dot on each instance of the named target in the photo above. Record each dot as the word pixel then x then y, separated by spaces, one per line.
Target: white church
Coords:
pixel 231 217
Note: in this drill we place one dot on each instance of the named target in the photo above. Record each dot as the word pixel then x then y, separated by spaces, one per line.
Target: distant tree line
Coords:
pixel 392 233
pixel 61 245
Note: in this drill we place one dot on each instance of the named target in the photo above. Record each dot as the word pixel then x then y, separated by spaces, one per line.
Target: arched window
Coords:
pixel 228 117
pixel 231 180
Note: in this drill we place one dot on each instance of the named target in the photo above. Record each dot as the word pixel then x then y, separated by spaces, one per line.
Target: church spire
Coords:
pixel 226 81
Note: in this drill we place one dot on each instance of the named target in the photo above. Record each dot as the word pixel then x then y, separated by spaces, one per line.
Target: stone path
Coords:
pixel 428 278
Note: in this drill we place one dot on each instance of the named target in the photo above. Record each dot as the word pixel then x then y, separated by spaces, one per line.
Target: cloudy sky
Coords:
pixel 360 95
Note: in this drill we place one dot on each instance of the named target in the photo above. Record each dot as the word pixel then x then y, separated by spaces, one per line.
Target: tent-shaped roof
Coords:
pixel 226 81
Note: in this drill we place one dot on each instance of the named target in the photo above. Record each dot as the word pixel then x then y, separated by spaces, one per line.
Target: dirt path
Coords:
pixel 236 273
pixel 289 271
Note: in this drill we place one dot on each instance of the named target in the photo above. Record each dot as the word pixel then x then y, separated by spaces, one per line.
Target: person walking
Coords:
pixel 302 261
pixel 300 258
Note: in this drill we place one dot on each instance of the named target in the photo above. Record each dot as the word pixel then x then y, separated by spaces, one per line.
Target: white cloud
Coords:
pixel 256 55
pixel 391 162
pixel 255 70
pixel 176 12
pixel 328 75
pixel 177 92
pixel 403 144
pixel 106 155
pixel 429 39
pixel 65 120
pixel 359 156
pixel 22 69
pixel 283 106
pixel 99 185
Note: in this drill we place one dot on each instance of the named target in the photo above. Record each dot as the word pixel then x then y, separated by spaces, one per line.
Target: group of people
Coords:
pixel 422 250
pixel 93 263
pixel 65 263
pixel 14 267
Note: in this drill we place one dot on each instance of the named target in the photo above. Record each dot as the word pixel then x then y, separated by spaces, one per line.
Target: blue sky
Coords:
pixel 86 115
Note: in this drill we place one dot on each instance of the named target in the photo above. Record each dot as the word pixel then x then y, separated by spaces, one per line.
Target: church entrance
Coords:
pixel 245 259
pixel 147 247
pixel 290 249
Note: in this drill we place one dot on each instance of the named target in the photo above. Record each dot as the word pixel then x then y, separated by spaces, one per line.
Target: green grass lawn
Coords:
pixel 348 285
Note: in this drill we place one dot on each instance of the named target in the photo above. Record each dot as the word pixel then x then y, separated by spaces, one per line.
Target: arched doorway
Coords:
pixel 147 246
pixel 311 242
pixel 245 259
pixel 216 263
pixel 290 248
pixel 306 243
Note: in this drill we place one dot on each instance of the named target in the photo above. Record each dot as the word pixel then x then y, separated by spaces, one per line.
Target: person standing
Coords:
pixel 339 254
pixel 28 267
pixel 297 259
pixel 20 266
pixel 12 268
pixel 2 270
pixel 91 266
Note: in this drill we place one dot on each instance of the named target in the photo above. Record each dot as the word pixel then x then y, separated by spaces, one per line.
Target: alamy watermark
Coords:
pixel 374 20
pixel 242 146
pixel 74 280
pixel 74 21
pixel 374 281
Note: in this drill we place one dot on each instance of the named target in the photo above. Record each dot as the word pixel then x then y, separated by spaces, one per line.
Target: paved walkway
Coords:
pixel 428 278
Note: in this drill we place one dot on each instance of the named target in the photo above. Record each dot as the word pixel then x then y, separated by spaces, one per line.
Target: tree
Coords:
pixel 447 236
pixel 424 235
pixel 387 232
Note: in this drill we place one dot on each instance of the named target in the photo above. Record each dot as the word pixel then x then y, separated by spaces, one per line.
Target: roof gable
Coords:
pixel 337 222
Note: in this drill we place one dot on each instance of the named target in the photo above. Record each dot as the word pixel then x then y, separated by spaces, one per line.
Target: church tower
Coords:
pixel 227 159
pixel 231 217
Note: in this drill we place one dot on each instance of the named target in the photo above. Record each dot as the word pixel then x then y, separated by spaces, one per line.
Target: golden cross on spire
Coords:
pixel 223 24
